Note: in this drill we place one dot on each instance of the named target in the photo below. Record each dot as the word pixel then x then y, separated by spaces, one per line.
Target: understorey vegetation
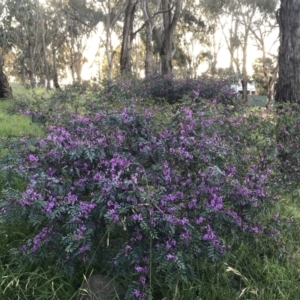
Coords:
pixel 154 189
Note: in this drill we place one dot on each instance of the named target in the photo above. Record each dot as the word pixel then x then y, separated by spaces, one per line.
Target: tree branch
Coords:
pixel 149 19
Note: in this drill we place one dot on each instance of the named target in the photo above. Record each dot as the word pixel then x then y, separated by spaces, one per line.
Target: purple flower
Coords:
pixel 97 177
pixel 71 198
pixel 139 269
pixel 32 158
pixel 43 236
pixel 85 209
pixel 23 248
pixel 170 256
pixel 137 217
pixel 200 220
pixel 276 217
pixel 255 229
pixel 136 293
pixel 49 207
pixel 196 93
pixel 142 280
pixel 84 249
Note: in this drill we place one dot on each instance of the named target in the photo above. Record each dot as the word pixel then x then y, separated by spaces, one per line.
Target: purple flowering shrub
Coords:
pixel 158 87
pixel 173 90
pixel 139 198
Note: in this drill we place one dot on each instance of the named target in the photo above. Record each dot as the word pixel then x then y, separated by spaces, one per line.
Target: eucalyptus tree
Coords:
pixel 288 86
pixel 161 31
pixel 81 18
pixel 127 36
pixel 42 21
pixel 164 38
pixel 242 15
pixel 6 42
pixel 264 32
pixel 109 14
pixel 149 25
pixel 195 33
pixel 27 35
pixel 225 15
pixel 56 24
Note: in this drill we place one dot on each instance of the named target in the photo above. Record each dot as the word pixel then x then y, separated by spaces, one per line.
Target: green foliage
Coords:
pixel 288 144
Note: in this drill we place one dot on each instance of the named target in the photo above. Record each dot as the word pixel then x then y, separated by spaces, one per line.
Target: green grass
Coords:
pixel 13 125
pixel 257 100
pixel 16 124
pixel 20 90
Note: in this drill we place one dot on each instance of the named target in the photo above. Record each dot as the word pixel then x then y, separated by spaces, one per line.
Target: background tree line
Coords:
pixel 42 41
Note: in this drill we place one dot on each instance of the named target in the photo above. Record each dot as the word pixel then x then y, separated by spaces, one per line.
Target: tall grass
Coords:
pixel 16 125
pixel 248 271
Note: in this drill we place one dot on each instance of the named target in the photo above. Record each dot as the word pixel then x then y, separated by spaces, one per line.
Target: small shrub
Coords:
pixel 173 90
pixel 19 105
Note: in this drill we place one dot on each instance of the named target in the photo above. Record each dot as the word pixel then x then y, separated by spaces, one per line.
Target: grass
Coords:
pixel 14 125
pixel 249 271
pixel 257 100
pixel 20 90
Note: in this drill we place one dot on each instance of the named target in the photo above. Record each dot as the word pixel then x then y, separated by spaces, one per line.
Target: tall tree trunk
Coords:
pixel 166 55
pixel 23 69
pixel 5 89
pixel 110 19
pixel 149 48
pixel 32 76
pixel 169 23
pixel 43 27
pixel 125 59
pixel 55 75
pixel 164 40
pixel 109 54
pixel 244 90
pixel 244 71
pixel 230 39
pixel 288 86
pixel 247 22
pixel 32 66
pixel 45 58
pixel 71 47
pixel 78 58
pixel 137 57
